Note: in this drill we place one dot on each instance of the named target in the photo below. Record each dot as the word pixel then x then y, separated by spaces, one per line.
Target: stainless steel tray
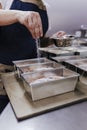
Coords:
pixel 38 67
pixel 49 83
pixel 78 65
pixel 65 58
pixel 76 49
pixel 30 61
pixel 83 67
pixel 58 51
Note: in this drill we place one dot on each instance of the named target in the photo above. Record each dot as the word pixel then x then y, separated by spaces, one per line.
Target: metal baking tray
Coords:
pixel 83 67
pixel 21 63
pixel 58 51
pixel 76 49
pixel 30 61
pixel 65 58
pixel 77 65
pixel 49 83
pixel 38 67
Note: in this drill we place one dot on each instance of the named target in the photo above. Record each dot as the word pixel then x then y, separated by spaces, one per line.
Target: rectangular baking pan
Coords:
pixel 49 83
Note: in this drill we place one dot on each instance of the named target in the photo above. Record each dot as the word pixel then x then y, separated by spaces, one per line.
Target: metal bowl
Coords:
pixel 63 41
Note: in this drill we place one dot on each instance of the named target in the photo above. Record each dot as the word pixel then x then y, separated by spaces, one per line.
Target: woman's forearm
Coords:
pixel 30 19
pixel 8 17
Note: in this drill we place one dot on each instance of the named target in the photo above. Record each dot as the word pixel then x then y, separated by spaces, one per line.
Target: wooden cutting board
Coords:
pixel 24 107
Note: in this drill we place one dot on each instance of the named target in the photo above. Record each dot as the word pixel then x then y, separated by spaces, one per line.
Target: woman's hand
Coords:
pixel 59 34
pixel 32 21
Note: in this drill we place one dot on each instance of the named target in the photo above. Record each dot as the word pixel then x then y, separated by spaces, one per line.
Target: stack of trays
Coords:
pixel 45 78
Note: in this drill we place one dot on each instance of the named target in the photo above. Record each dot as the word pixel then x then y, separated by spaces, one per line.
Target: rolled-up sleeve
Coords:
pixel 6 3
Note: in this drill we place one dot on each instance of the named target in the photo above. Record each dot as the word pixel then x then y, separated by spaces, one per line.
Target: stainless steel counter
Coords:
pixel 68 118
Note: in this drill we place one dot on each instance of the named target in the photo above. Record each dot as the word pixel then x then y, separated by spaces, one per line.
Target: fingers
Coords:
pixel 39 25
pixel 31 25
pixel 60 34
pixel 34 24
pixel 32 21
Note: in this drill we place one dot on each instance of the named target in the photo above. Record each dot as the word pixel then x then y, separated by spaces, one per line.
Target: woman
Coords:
pixel 20 26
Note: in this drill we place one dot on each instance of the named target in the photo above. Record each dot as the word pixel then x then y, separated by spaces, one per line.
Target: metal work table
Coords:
pixel 68 118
